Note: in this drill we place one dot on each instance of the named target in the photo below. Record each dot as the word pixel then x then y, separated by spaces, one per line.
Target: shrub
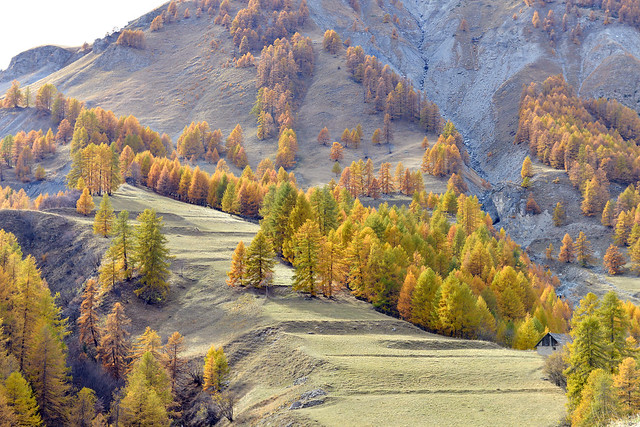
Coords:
pixel 132 38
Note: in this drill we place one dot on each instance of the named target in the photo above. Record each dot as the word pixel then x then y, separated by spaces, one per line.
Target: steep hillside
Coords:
pixel 473 74
pixel 66 253
pixel 34 64
pixel 185 74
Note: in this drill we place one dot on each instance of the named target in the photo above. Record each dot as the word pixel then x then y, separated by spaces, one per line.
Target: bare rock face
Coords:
pixel 476 75
pixel 41 60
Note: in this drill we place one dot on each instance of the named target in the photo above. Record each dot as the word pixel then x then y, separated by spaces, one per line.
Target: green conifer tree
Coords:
pixel 306 250
pixel 123 242
pixel 260 262
pixel 21 400
pixel 147 394
pixel 216 370
pixel 103 221
pixel 151 257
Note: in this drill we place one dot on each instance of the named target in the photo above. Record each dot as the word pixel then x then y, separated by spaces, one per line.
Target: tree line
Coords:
pixel 459 278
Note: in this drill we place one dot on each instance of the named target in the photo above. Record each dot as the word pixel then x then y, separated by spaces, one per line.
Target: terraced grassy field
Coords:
pixel 375 370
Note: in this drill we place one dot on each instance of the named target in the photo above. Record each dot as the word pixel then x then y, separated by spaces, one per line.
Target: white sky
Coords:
pixel 62 22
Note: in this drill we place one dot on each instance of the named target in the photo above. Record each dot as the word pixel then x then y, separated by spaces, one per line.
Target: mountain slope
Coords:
pixel 370 366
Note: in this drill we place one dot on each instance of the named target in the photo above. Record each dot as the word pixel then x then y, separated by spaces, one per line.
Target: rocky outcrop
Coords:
pixel 38 61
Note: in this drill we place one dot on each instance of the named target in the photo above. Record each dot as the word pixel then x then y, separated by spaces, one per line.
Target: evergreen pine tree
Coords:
pixel 216 370
pixel 21 400
pixel 104 218
pixel 260 262
pixel 151 257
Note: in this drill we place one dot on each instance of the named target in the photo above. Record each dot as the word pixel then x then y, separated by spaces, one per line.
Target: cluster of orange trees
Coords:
pixel 11 199
pixel 359 179
pixel 131 38
pixel 262 22
pixel 98 126
pixel 626 11
pixel 23 149
pixel 390 93
pixel 281 72
pixel 36 385
pixel 447 154
pixel 33 354
pixel 197 141
pixel 595 141
pixel 222 190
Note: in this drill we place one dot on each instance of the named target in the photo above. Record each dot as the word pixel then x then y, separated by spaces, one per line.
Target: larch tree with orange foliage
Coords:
pixel 532 206
pixel 331 42
pixel 115 347
pixel 536 19
pixel 406 295
pixel 613 260
pixel 88 322
pixel 331 265
pixel 174 363
pixel 85 203
pixel 14 96
pixel 583 249
pixel 324 137
pixel 238 272
pixel 337 151
pixel 567 252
